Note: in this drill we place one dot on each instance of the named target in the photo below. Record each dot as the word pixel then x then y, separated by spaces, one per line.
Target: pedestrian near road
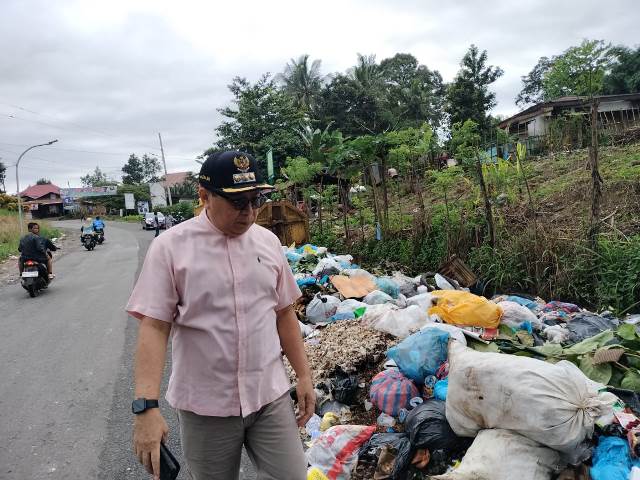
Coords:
pixel 221 286
pixel 156 223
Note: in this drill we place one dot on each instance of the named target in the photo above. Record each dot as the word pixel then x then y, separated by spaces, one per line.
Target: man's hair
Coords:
pixel 97 217
pixel 30 225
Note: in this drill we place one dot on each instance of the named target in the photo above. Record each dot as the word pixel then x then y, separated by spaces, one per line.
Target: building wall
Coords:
pixel 158 195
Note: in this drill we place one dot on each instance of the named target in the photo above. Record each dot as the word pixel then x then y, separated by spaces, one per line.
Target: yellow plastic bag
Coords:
pixel 329 420
pixel 463 308
pixel 314 473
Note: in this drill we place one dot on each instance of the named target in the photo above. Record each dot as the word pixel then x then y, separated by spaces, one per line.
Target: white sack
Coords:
pixel 504 455
pixel 398 322
pixel 422 300
pixel 555 405
pixel 321 308
pixel 515 315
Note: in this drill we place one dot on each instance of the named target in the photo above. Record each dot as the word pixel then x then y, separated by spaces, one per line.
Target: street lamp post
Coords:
pixel 18 182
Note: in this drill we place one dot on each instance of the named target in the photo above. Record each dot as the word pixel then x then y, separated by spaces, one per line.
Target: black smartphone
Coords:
pixel 169 466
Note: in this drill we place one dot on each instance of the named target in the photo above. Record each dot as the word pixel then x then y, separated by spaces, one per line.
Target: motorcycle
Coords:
pixel 35 277
pixel 89 240
pixel 99 232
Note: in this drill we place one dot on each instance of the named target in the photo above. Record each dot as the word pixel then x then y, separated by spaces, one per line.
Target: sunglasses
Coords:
pixel 240 202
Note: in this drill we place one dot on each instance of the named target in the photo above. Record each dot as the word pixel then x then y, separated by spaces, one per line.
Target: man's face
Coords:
pixel 225 216
pixel 35 229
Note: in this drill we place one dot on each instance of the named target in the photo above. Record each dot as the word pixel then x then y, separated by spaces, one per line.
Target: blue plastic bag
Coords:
pixel 421 354
pixel 440 389
pixel 306 281
pixel 611 459
pixel 388 286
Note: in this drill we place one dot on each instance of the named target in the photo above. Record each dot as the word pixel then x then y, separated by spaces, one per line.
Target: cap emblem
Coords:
pixel 242 163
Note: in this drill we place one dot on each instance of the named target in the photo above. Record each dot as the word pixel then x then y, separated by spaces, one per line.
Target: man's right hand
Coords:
pixel 150 429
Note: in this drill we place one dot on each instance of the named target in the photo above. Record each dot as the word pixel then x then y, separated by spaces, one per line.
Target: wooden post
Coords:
pixel 487 202
pixel 596 178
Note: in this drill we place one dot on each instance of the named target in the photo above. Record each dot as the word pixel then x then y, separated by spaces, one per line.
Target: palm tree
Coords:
pixel 302 81
pixel 366 73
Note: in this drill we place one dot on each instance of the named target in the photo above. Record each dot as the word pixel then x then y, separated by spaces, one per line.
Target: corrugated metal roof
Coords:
pixel 37 191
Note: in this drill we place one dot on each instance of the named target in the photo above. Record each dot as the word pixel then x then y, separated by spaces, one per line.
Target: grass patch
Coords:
pixel 10 232
pixel 126 218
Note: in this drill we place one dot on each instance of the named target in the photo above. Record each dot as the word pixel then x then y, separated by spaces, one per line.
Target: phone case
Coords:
pixel 169 466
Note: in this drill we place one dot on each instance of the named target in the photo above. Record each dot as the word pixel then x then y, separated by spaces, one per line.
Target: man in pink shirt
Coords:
pixel 222 288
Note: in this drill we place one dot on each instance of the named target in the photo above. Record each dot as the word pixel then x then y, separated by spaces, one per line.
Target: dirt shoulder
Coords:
pixel 68 242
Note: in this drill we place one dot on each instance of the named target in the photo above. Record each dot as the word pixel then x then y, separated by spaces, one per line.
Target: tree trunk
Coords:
pixel 596 178
pixel 320 208
pixel 376 208
pixel 345 206
pixel 487 203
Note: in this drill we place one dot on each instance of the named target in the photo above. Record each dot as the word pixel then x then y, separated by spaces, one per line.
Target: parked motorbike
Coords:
pixel 35 277
pixel 99 232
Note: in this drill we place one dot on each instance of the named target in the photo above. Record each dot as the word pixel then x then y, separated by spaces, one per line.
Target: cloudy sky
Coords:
pixel 105 77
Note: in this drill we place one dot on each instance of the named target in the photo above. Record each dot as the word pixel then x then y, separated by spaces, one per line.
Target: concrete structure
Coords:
pixel 614 111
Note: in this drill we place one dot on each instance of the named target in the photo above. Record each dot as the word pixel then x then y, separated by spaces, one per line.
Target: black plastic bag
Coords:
pixel 345 387
pixel 428 428
pixel 370 451
pixel 629 397
pixel 585 325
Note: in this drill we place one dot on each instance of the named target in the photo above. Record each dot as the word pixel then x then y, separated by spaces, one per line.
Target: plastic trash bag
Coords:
pixel 305 330
pixel 371 450
pixel 611 459
pixel 335 452
pixel 553 404
pixel 398 322
pixel 321 308
pixel 452 330
pixel 421 354
pixel 391 391
pixel 326 265
pixel 358 272
pixel 377 297
pixel 557 334
pixel 428 428
pixel 443 283
pixel 388 286
pixel 344 387
pixel 422 300
pixel 349 306
pixel 504 455
pixel 585 325
pixel 314 473
pixel 515 315
pixel 440 389
pixel 532 305
pixel 313 426
pixel 407 285
pixel 462 308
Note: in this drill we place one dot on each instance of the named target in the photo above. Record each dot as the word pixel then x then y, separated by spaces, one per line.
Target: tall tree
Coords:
pixel 412 94
pixel 532 84
pixel 137 171
pixel 43 181
pixel 578 71
pixel 261 117
pixel 302 81
pixel 468 97
pixel 624 76
pixel 3 176
pixel 96 179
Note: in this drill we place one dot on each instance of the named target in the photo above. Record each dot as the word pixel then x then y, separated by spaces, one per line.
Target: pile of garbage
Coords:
pixel 420 378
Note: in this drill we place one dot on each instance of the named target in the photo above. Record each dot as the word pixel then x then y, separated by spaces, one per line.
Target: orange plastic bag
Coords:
pixel 463 308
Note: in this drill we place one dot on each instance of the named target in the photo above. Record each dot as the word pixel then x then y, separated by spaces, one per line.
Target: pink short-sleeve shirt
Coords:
pixel 221 295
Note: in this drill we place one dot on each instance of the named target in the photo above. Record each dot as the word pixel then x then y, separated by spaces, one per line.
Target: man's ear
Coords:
pixel 203 194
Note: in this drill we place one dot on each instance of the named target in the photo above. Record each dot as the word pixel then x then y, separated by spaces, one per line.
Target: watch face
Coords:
pixel 138 405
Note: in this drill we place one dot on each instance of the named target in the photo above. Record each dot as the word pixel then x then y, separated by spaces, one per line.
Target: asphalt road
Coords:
pixel 66 385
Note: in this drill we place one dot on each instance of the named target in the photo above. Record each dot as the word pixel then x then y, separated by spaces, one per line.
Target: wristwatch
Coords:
pixel 141 405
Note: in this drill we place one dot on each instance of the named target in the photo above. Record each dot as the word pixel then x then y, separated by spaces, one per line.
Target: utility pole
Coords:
pixel 18 183
pixel 165 169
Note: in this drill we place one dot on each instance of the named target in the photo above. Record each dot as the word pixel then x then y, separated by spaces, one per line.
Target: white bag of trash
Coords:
pixel 422 300
pixel 327 264
pixel 505 455
pixel 514 315
pixel 557 334
pixel 377 298
pixel 349 305
pixel 398 322
pixel 321 308
pixel 555 405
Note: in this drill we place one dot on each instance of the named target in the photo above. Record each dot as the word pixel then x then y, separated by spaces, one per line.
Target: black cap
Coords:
pixel 231 172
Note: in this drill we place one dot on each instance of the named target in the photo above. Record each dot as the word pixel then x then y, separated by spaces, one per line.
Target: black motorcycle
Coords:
pixel 89 240
pixel 99 232
pixel 35 277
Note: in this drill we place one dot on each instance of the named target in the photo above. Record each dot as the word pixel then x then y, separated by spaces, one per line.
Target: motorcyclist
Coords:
pixel 98 224
pixel 34 247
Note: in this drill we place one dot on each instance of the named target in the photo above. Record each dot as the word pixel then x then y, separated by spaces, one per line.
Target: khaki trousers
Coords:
pixel 212 446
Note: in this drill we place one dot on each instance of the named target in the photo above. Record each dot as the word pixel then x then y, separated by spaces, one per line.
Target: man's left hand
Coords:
pixel 306 401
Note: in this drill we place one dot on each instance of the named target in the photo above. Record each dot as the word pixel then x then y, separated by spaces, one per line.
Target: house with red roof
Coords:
pixel 43 200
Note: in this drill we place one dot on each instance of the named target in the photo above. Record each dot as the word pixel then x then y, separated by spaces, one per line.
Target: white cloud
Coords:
pixel 107 76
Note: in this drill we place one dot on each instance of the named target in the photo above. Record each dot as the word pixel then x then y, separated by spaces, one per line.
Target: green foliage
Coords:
pixel 300 171
pixel 532 84
pixel 96 179
pixel 3 175
pixel 468 96
pixel 43 181
pixel 579 71
pixel 302 82
pixel 179 209
pixel 138 171
pixel 465 138
pixel 262 117
pixel 624 76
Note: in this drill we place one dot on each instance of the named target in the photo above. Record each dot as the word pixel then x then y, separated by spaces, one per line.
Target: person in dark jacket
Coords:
pixel 34 247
